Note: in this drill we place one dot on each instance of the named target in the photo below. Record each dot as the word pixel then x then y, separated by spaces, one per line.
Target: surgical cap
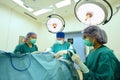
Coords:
pixel 29 34
pixel 60 35
pixel 97 33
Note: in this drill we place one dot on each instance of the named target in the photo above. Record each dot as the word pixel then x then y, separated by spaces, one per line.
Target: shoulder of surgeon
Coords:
pixel 104 50
pixel 21 44
pixel 65 43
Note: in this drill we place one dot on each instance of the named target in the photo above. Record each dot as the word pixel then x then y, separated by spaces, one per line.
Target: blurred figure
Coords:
pixel 101 61
pixel 29 45
pixel 61 48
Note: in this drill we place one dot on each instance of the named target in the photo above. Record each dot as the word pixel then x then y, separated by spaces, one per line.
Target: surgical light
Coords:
pixel 55 23
pixel 63 3
pixel 42 11
pixel 92 12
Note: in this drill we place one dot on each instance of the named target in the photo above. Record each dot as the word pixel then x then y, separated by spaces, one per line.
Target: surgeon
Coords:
pixel 29 44
pixel 62 48
pixel 101 61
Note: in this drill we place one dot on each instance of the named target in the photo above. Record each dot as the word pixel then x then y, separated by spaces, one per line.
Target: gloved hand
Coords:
pixel 82 66
pixel 36 52
pixel 53 54
pixel 60 53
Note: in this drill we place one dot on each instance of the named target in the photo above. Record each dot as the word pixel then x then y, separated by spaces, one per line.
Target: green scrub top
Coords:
pixel 24 48
pixel 58 47
pixel 102 64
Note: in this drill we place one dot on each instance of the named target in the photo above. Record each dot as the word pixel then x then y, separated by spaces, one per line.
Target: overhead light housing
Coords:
pixel 63 3
pixel 42 11
pixel 55 23
pixel 91 12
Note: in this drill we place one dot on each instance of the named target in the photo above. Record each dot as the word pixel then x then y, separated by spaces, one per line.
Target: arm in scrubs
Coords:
pixel 24 48
pixel 29 45
pixel 101 61
pixel 101 64
pixel 62 47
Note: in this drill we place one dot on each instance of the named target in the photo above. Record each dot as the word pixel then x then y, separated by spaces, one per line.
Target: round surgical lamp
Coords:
pixel 92 12
pixel 55 23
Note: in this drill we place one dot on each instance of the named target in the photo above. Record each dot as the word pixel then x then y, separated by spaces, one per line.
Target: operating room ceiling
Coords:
pixel 66 12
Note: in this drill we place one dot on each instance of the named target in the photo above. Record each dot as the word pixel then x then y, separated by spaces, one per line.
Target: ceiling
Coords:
pixel 65 12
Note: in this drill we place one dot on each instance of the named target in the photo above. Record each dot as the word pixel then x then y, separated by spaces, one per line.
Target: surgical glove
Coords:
pixel 60 53
pixel 82 66
pixel 53 54
pixel 36 52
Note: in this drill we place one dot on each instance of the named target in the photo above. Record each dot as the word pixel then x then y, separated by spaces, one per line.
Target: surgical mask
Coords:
pixel 32 41
pixel 59 41
pixel 88 43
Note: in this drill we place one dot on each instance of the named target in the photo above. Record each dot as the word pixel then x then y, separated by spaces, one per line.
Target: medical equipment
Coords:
pixel 92 12
pixel 55 23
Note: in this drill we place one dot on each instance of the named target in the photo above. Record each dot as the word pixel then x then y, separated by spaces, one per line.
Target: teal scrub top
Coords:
pixel 102 64
pixel 24 48
pixel 58 47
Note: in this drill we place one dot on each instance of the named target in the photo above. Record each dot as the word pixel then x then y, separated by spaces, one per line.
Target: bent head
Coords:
pixel 60 37
pixel 31 37
pixel 94 34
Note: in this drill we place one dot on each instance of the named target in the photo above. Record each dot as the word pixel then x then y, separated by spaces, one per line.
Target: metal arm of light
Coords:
pixel 110 10
pixel 92 12
pixel 55 23
pixel 117 9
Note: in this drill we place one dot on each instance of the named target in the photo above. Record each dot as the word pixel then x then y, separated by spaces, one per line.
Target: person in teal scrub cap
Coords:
pixel 101 61
pixel 29 44
pixel 61 47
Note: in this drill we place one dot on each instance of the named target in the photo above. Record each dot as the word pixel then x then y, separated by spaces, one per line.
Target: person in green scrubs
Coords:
pixel 61 47
pixel 29 44
pixel 101 61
